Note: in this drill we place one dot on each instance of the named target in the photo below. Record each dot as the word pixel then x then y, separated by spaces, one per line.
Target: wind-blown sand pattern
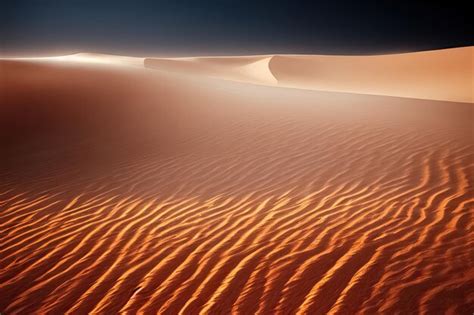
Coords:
pixel 213 191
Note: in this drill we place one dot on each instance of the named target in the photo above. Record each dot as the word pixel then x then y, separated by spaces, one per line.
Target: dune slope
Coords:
pixel 252 69
pixel 139 190
pixel 445 74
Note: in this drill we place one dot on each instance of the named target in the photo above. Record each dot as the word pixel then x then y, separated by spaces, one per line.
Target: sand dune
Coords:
pixel 439 75
pixel 179 190
pixel 253 69
pixel 86 58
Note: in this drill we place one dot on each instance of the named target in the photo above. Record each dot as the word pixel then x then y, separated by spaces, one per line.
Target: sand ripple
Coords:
pixel 337 204
pixel 395 237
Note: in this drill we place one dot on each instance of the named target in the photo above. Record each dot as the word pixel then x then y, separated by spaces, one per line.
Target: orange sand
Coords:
pixel 205 186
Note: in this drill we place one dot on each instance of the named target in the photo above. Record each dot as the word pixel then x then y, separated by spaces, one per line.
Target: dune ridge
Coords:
pixel 85 58
pixel 179 192
pixel 249 69
pixel 445 74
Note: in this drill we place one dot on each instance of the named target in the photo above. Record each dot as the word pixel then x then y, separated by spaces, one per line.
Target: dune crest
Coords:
pixel 250 69
pixel 260 71
pixel 86 58
pixel 445 74
pixel 109 59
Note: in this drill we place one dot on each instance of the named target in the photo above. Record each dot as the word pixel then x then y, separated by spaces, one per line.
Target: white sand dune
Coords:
pixel 250 69
pixel 439 75
pixel 86 58
pixel 445 74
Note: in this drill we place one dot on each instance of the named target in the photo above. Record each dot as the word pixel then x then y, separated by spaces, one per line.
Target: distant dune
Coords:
pixel 254 69
pixel 207 185
pixel 440 75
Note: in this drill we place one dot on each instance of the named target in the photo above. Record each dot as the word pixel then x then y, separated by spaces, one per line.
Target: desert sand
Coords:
pixel 256 184
pixel 445 74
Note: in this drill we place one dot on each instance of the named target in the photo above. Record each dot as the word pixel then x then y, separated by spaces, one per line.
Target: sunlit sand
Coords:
pixel 253 185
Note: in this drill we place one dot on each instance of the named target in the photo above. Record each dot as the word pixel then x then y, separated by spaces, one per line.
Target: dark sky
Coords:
pixel 178 27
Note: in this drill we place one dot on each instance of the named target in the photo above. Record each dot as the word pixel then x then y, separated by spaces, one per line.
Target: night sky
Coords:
pixel 177 27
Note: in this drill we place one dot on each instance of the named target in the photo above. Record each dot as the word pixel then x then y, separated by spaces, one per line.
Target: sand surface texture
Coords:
pixel 237 185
